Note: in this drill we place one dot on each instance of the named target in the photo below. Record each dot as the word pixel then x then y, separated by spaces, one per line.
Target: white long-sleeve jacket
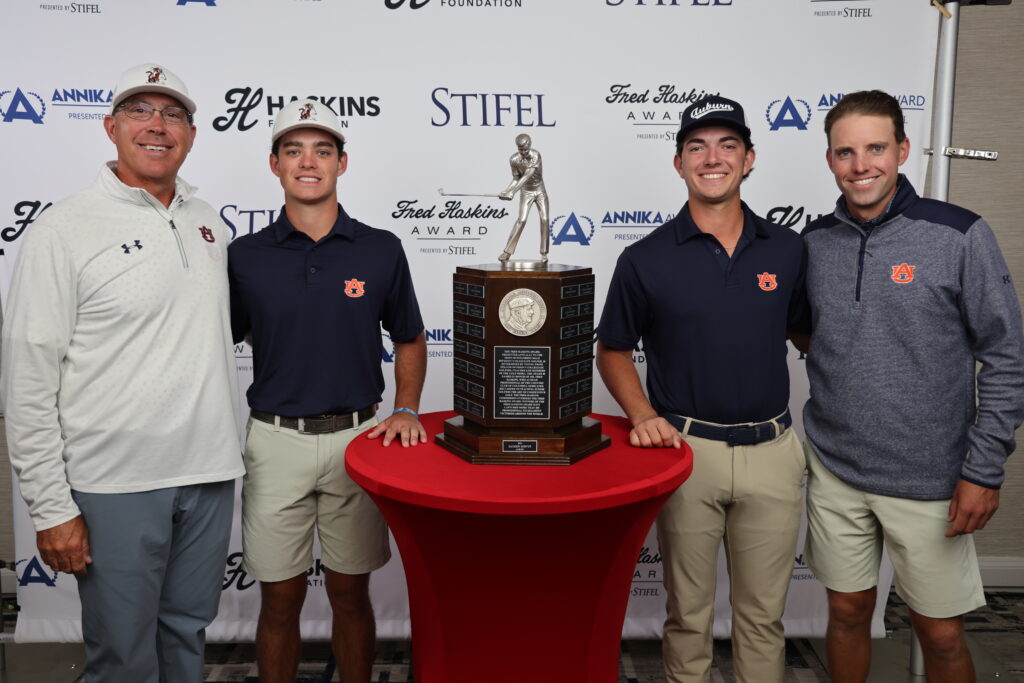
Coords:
pixel 118 370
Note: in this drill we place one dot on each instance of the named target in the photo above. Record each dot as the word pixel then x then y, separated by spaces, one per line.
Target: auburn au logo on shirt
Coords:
pixel 207 233
pixel 355 288
pixel 903 273
pixel 766 281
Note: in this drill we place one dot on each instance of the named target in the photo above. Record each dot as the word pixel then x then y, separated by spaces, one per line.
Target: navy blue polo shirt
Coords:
pixel 714 332
pixel 315 310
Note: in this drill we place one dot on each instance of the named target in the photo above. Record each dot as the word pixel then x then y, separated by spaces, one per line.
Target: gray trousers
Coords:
pixel 155 580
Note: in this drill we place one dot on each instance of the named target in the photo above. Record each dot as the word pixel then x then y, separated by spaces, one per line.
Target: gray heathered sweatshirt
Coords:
pixel 900 315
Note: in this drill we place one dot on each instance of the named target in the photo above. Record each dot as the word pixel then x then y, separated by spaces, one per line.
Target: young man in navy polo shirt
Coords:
pixel 712 293
pixel 312 290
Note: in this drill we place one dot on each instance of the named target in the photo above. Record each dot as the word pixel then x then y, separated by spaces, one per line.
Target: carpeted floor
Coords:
pixel 640 663
pixel 999 628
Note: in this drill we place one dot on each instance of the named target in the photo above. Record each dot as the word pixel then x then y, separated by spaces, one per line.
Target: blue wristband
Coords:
pixel 406 410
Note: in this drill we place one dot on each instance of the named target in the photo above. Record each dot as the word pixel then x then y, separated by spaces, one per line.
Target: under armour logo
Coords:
pixel 128 247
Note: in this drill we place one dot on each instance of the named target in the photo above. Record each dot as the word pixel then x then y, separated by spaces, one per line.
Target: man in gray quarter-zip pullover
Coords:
pixel 121 393
pixel 907 296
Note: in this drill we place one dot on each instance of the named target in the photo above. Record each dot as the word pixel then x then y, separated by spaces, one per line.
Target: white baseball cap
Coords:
pixel 308 113
pixel 151 78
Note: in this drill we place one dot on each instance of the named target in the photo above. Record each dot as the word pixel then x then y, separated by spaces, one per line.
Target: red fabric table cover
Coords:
pixel 518 573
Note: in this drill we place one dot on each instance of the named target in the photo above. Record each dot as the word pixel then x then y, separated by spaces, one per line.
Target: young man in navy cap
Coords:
pixel 312 290
pixel 121 392
pixel 713 293
pixel 906 437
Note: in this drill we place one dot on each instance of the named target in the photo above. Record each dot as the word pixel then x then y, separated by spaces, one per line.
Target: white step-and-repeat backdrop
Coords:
pixel 432 94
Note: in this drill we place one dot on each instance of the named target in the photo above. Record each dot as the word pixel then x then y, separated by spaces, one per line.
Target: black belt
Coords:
pixel 317 424
pixel 734 435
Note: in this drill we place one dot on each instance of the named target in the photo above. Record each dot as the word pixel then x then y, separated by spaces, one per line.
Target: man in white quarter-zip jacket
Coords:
pixel 121 395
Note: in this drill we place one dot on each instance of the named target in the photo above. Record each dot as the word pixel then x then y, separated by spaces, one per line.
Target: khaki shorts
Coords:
pixel 293 481
pixel 936 576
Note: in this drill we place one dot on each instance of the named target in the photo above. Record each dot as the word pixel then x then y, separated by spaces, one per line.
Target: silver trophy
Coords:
pixel 528 181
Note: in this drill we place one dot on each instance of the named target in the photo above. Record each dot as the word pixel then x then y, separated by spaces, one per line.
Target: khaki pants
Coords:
pixel 750 497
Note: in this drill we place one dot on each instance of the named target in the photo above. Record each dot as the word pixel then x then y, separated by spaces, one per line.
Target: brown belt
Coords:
pixel 317 424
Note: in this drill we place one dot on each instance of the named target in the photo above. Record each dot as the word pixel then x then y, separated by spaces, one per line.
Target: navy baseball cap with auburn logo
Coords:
pixel 714 110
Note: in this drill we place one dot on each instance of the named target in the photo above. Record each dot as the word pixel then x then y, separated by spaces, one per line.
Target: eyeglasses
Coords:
pixel 141 111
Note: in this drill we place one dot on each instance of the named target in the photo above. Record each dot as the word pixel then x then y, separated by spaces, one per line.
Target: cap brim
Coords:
pixel 170 92
pixel 712 121
pixel 307 124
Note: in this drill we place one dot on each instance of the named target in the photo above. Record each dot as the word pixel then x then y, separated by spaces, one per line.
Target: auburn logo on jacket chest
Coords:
pixel 903 273
pixel 207 233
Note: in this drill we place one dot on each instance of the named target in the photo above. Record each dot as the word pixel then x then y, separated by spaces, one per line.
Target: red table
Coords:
pixel 518 573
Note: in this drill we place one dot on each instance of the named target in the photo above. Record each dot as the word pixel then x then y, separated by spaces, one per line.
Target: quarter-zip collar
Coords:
pixel 900 201
pixel 111 185
pixel 904 197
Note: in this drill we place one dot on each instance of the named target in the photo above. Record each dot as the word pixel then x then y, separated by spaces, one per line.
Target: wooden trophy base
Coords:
pixel 520 445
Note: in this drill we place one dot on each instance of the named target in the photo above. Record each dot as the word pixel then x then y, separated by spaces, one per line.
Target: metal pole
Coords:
pixel 942 135
pixel 4 639
pixel 916 656
pixel 945 78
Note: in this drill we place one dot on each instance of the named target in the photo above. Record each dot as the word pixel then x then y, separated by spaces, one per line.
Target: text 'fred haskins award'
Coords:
pixel 523 338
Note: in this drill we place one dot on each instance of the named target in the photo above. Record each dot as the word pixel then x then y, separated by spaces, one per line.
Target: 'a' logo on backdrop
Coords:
pixel 387 348
pixel 18 106
pixel 572 230
pixel 903 273
pixel 786 114
pixel 35 573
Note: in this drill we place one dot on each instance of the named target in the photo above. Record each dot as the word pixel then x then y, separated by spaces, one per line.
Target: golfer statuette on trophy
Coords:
pixel 528 181
pixel 522 336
